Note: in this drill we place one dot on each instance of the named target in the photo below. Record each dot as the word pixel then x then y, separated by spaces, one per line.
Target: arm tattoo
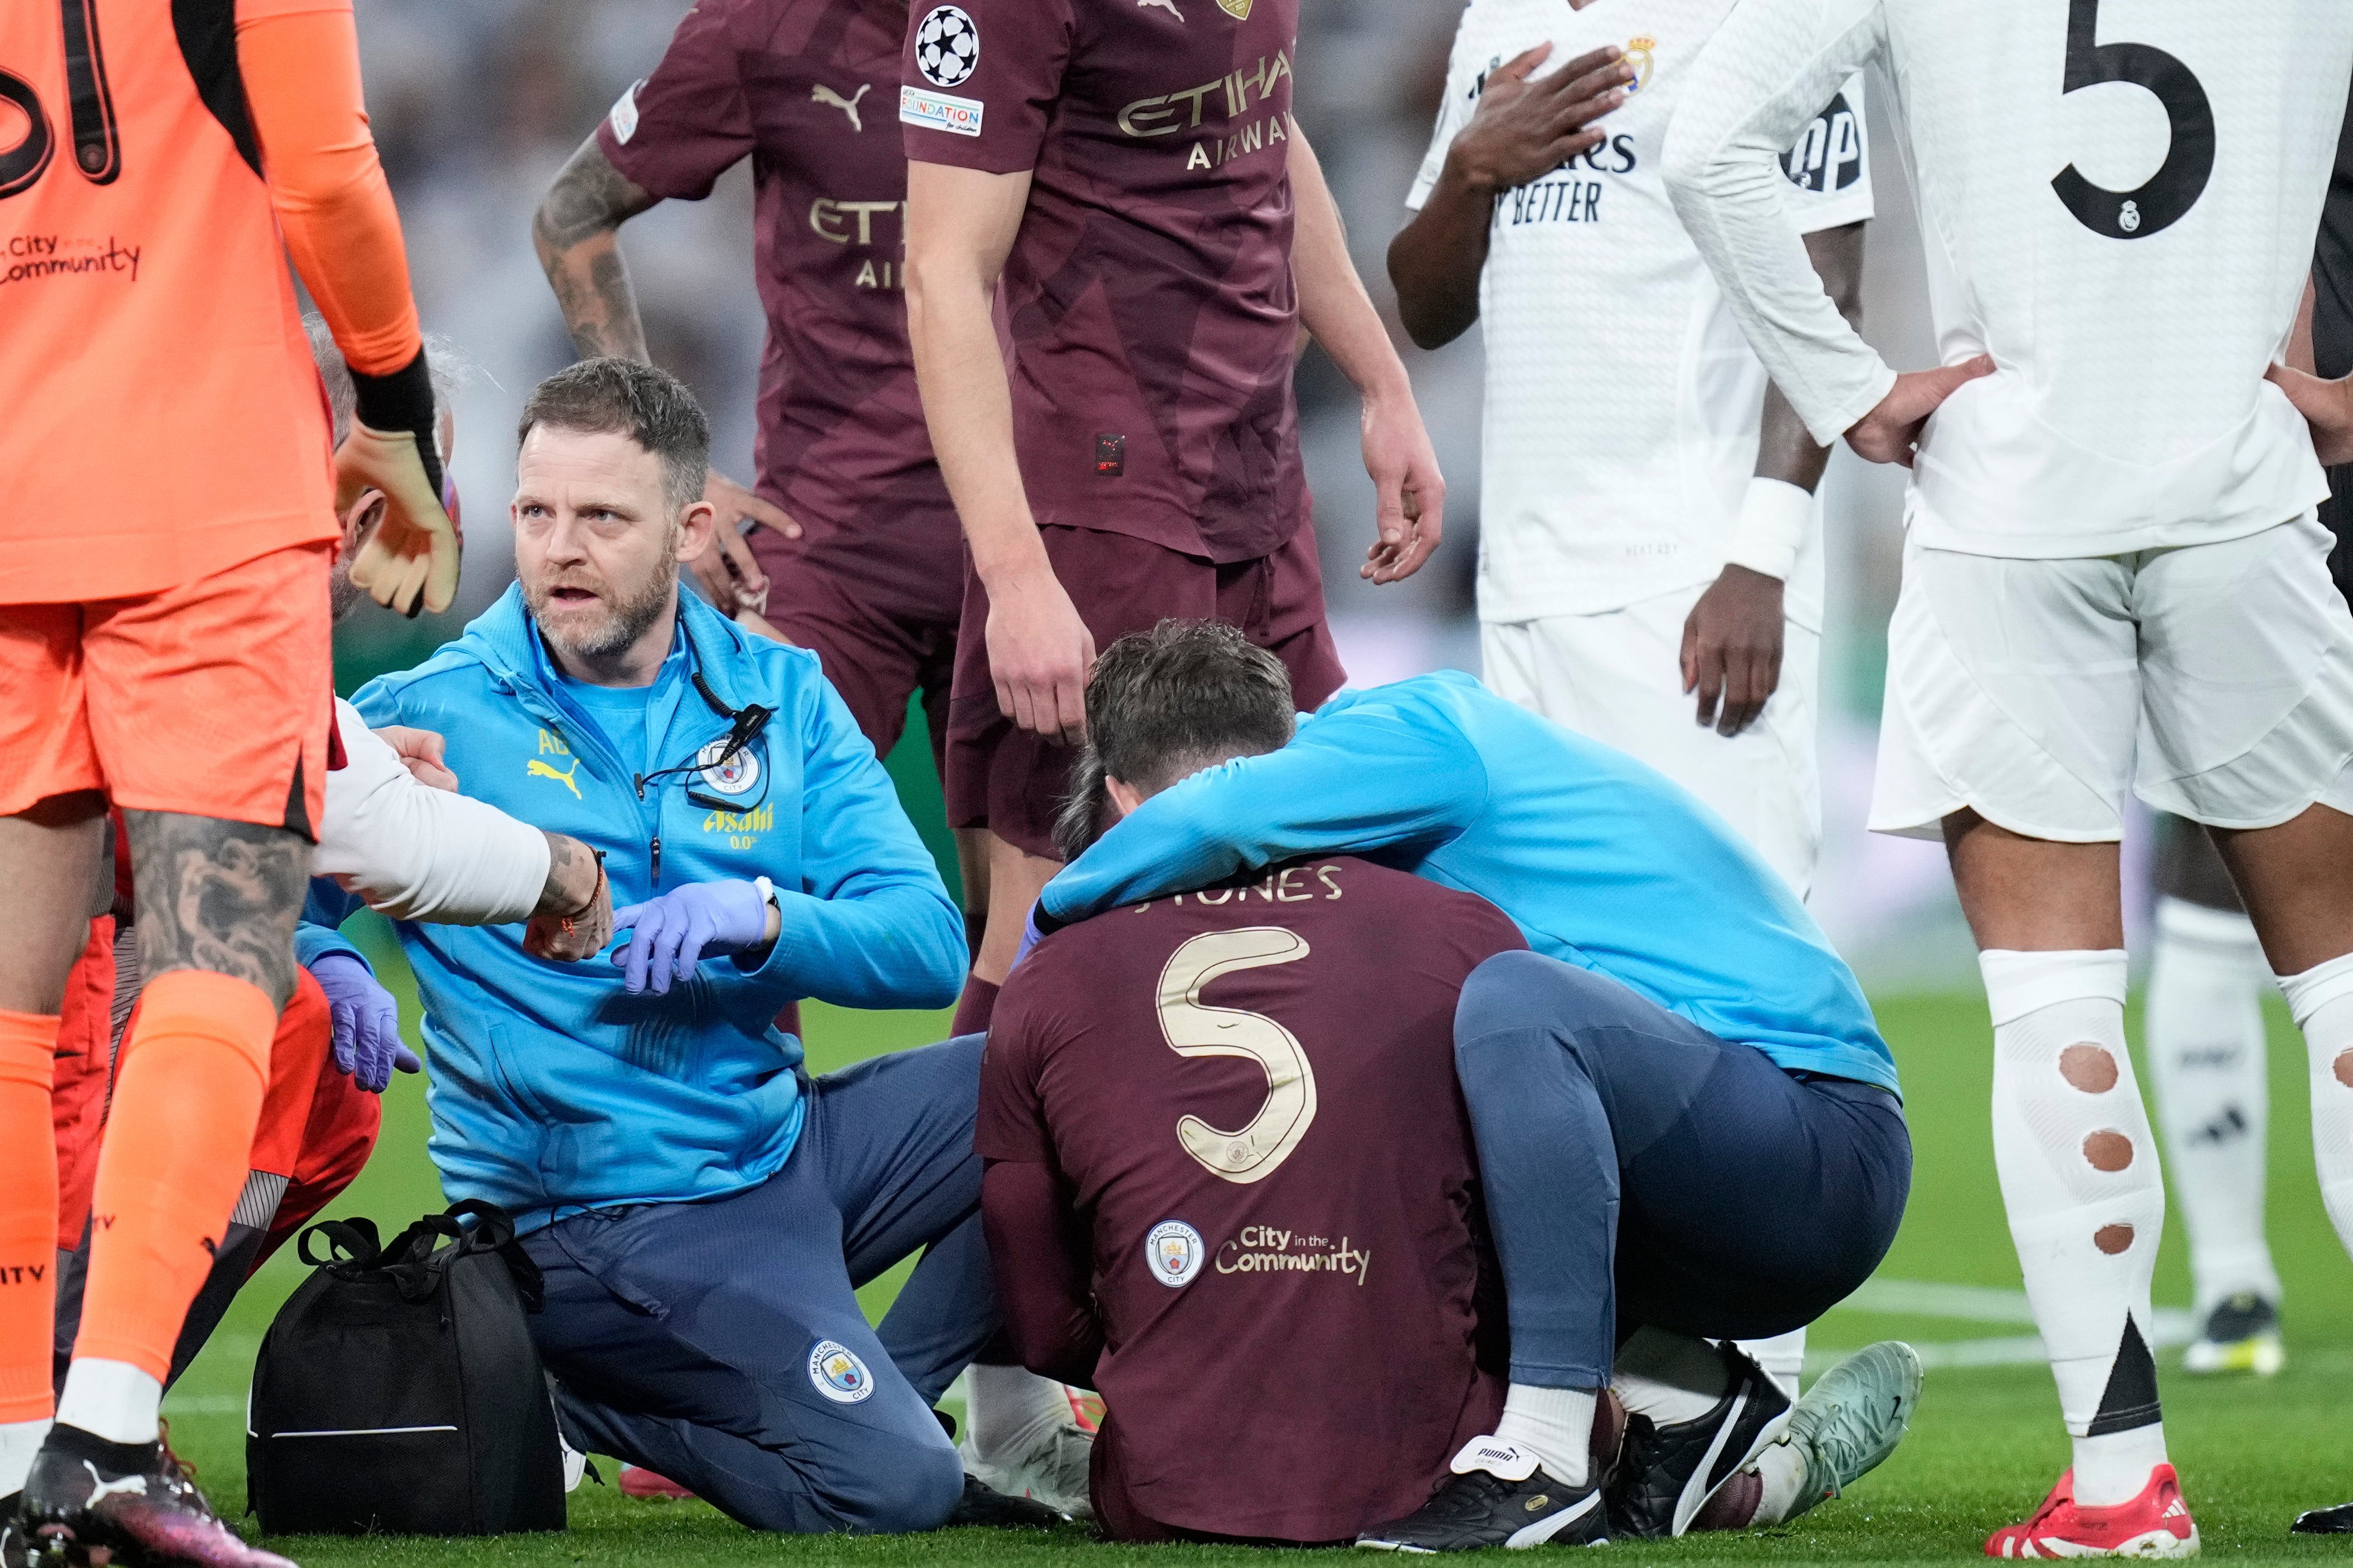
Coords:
pixel 571 875
pixel 219 896
pixel 589 197
pixel 573 232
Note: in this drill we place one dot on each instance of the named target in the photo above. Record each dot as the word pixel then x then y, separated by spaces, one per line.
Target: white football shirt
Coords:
pixel 1622 403
pixel 2118 200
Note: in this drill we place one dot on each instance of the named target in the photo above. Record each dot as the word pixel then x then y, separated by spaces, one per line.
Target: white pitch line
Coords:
pixel 1978 1304
pixel 205 1404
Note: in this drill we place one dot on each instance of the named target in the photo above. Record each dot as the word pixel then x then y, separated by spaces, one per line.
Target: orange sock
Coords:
pixel 28 1214
pixel 185 1102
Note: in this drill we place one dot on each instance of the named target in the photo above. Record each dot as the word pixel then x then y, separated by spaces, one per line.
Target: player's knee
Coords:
pixel 1515 992
pixel 897 1487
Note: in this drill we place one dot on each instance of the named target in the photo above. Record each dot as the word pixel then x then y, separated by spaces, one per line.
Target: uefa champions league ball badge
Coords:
pixel 1173 1250
pixel 838 1374
pixel 947 46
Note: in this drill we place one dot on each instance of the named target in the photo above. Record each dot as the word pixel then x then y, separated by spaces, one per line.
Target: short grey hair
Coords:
pixel 1164 704
pixel 451 370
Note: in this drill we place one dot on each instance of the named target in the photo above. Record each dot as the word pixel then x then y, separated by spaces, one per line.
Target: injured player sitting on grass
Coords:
pixel 1230 1181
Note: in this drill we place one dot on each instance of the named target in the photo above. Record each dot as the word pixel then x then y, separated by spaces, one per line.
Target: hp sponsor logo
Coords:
pixel 1829 156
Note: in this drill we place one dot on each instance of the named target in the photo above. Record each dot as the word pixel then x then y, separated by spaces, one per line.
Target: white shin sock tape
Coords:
pixel 2079 1177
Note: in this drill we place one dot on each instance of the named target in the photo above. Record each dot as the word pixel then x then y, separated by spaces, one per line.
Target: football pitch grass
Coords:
pixel 1985 1445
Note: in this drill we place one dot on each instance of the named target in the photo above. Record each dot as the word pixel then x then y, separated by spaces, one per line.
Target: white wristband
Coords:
pixel 1775 516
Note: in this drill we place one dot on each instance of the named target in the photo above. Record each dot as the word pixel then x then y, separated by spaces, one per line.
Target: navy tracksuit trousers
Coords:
pixel 721 1343
pixel 1640 1170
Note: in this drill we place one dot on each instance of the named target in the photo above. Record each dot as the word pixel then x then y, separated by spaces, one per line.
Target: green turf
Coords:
pixel 1985 1446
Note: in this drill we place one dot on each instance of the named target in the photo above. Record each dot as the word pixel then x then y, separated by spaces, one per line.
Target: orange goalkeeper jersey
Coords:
pixel 161 418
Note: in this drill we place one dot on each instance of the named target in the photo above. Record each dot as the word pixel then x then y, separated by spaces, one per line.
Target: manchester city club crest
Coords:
pixel 838 1374
pixel 1173 1250
pixel 735 777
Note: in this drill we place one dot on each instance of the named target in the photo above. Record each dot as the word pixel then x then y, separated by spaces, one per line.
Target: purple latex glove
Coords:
pixel 1030 937
pixel 365 1020
pixel 669 935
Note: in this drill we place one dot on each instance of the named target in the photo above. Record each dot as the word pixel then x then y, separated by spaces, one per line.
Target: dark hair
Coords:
pixel 1164 704
pixel 622 397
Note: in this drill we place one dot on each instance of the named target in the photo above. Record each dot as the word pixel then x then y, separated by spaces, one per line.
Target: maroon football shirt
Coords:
pixel 807 90
pixel 1248 1093
pixel 1153 312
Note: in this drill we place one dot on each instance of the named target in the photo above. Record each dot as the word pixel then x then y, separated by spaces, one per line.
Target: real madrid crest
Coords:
pixel 734 777
pixel 1637 55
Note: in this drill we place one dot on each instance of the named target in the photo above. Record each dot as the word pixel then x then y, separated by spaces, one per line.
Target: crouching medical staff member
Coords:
pixel 702 1210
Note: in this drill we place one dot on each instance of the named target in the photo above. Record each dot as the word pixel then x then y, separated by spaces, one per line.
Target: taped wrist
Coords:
pixel 1775 518
pixel 403 401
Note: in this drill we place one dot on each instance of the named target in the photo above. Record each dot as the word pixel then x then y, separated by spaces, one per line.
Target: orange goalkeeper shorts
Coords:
pixel 213 699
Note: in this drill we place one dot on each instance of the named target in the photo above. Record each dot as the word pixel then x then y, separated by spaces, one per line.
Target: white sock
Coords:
pixel 1782 1468
pixel 111 1399
pixel 2321 999
pixel 2207 1070
pixel 1669 1377
pixel 2079 1178
pixel 1782 1357
pixel 1555 1424
pixel 19 1441
pixel 2114 1467
pixel 1008 1409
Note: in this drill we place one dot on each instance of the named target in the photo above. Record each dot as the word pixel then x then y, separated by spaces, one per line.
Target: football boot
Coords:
pixel 2157 1523
pixel 2241 1334
pixel 88 1501
pixel 1669 1471
pixel 1498 1495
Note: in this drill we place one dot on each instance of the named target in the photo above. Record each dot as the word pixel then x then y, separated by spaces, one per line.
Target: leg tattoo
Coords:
pixel 219 896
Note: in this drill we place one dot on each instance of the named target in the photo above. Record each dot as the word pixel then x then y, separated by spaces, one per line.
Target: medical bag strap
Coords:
pixel 352 1244
pixel 493 1231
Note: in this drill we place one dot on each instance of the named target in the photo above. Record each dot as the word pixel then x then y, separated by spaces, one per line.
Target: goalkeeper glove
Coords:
pixel 410 562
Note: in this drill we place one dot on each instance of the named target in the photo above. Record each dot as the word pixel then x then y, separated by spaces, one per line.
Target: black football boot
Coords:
pixel 1668 1472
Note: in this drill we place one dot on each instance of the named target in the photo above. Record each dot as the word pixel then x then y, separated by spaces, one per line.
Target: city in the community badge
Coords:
pixel 1173 1250
pixel 947 46
pixel 1637 55
pixel 838 1374
pixel 735 776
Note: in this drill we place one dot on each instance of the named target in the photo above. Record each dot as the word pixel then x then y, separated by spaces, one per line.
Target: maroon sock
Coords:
pixel 973 1008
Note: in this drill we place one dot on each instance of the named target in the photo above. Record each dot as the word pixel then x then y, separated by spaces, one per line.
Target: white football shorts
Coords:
pixel 1617 678
pixel 2216 681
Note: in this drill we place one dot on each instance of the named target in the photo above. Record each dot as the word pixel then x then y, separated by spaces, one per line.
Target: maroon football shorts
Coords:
pixel 1012 781
pixel 882 621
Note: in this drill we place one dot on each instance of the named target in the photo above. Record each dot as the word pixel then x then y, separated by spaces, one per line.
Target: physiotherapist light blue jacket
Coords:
pixel 553 1089
pixel 1601 861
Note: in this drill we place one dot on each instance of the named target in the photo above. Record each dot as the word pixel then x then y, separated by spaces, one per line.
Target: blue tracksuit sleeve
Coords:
pixel 872 924
pixel 313 941
pixel 1373 776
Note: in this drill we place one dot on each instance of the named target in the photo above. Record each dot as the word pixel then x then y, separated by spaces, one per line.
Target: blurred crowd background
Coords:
pixel 477 103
